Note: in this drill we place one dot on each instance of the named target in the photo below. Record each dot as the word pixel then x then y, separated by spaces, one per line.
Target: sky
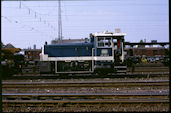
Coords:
pixel 26 23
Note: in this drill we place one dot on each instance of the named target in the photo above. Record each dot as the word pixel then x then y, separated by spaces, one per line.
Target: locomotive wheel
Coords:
pixel 102 72
pixel 63 75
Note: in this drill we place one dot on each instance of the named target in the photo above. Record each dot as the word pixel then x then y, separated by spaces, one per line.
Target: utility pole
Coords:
pixel 59 22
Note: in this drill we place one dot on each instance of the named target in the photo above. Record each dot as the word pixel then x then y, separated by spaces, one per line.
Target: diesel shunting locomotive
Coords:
pixel 102 53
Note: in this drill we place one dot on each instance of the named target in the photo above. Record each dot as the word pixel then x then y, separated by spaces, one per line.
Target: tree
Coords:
pixel 141 46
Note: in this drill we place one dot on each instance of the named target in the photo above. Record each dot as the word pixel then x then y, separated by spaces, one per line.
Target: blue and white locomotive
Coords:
pixel 103 53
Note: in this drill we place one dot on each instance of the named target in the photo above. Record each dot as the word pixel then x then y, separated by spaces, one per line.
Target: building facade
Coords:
pixel 32 54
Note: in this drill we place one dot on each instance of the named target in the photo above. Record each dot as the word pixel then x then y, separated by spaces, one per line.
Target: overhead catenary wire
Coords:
pixel 36 14
pixel 28 26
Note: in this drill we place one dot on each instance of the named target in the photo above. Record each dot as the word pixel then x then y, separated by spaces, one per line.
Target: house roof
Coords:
pixel 8 46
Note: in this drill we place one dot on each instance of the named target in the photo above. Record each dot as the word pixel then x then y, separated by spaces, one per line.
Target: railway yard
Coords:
pixel 133 85
pixel 141 91
pixel 89 66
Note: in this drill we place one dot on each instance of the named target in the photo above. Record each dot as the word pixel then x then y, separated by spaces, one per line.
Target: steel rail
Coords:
pixel 84 84
pixel 149 93
pixel 81 95
pixel 86 101
pixel 145 97
pixel 112 75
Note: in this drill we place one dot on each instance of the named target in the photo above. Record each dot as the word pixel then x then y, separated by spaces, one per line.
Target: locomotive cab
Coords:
pixel 109 51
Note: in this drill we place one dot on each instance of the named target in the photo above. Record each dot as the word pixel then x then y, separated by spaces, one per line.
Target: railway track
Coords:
pixel 85 84
pixel 90 76
pixel 104 98
pixel 154 96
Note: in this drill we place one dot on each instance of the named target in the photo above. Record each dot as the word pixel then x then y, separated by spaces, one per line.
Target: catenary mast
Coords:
pixel 59 22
